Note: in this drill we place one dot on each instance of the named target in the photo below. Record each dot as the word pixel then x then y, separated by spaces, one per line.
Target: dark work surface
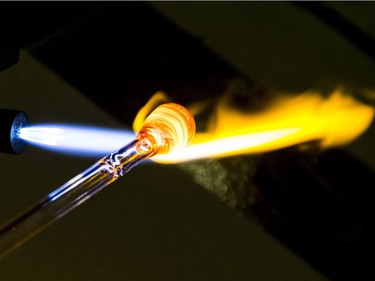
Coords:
pixel 320 206
pixel 119 54
pixel 344 27
pixel 8 56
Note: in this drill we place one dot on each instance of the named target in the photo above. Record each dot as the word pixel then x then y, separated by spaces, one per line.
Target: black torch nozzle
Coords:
pixel 11 122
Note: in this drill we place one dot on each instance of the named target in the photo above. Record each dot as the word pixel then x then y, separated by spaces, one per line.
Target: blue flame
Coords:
pixel 75 139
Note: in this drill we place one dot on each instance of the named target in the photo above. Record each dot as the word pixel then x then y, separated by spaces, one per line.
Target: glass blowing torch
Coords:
pixel 170 126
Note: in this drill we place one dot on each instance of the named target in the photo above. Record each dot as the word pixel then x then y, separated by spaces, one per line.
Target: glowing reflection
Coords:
pixel 78 140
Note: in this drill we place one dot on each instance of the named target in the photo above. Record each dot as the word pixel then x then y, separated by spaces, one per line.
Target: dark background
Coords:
pixel 278 216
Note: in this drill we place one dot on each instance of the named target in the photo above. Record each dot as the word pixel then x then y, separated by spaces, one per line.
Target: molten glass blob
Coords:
pixel 169 127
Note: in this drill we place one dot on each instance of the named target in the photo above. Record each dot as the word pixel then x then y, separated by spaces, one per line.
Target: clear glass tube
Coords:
pixel 166 127
pixel 70 195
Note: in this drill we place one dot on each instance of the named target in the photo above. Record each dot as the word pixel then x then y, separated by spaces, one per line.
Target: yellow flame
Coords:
pixel 157 99
pixel 331 121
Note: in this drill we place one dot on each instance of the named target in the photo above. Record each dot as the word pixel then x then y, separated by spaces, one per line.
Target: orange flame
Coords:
pixel 332 121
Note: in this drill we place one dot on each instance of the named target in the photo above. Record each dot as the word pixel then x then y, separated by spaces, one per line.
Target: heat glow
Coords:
pixel 331 121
